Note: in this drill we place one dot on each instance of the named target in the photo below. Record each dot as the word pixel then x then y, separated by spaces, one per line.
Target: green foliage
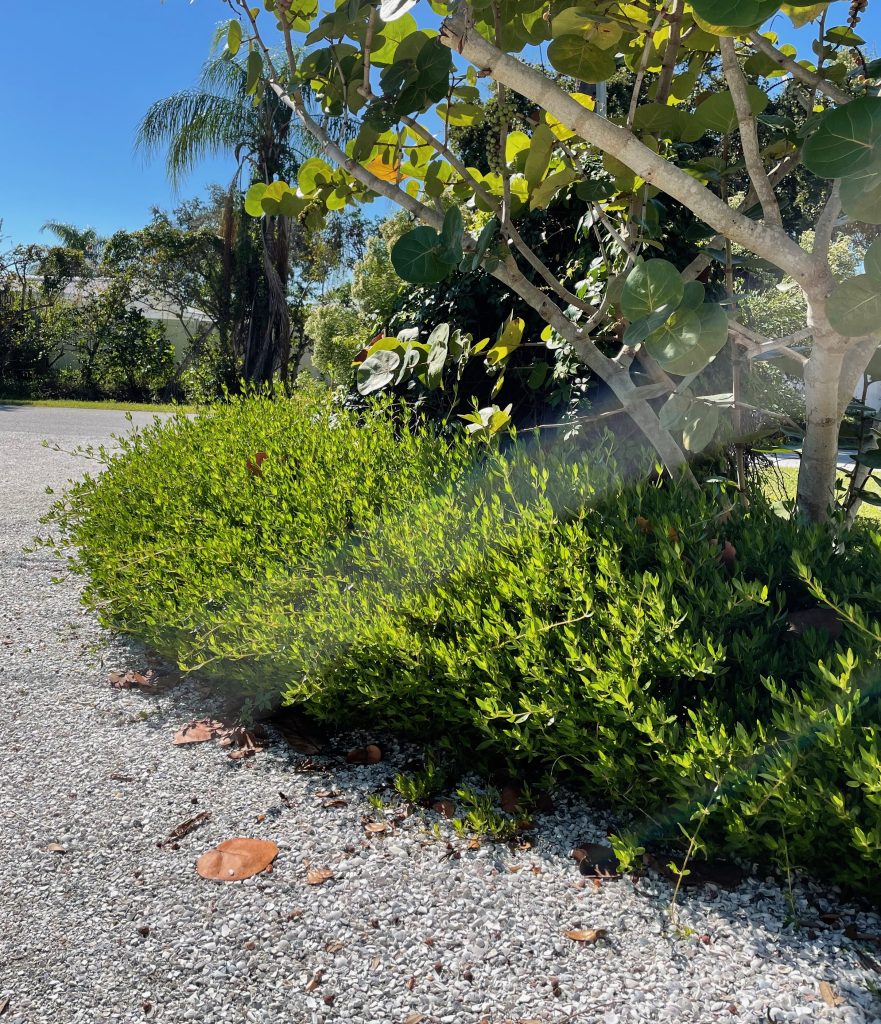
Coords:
pixel 337 331
pixel 521 604
pixel 420 786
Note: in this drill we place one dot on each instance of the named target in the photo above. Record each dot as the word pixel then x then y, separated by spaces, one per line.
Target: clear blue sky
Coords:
pixel 76 78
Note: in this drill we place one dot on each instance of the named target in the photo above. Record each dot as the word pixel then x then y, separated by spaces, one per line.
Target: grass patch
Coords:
pixel 73 403
pixel 782 482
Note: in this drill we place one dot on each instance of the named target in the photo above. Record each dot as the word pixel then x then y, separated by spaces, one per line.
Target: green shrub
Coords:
pixel 521 605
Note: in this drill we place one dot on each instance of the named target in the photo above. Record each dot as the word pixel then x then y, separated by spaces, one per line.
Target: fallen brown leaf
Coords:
pixel 236 859
pixel 318 876
pixel 828 995
pixel 509 798
pixel 4 1003
pixel 446 808
pixel 587 935
pixel 314 981
pixel 339 802
pixel 329 999
pixel 596 860
pixel 376 826
pixel 414 1018
pixel 55 848
pixel 371 754
pixel 411 982
pixel 202 730
pixel 334 947
pixel 185 828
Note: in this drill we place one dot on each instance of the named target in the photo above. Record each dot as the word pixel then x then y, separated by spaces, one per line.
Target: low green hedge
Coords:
pixel 524 605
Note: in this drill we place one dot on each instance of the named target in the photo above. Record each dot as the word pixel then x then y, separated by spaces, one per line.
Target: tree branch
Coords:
pixel 769 242
pixel 810 78
pixel 749 137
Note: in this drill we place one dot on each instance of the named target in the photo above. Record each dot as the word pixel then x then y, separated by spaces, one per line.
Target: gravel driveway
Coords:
pixel 410 928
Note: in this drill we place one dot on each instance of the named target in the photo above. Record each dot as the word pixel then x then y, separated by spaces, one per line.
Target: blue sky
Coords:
pixel 74 85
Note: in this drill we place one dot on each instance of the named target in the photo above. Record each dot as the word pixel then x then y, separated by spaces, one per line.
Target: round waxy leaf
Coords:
pixel 699 426
pixel 848 140
pixel 854 307
pixel 716 113
pixel 234 37
pixel 689 339
pixel 417 257
pixel 674 410
pixel 861 196
pixel 574 55
pixel 725 17
pixel 377 371
pixel 438 347
pixel 649 286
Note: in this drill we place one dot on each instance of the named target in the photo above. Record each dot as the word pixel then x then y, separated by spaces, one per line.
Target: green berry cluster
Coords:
pixel 499 112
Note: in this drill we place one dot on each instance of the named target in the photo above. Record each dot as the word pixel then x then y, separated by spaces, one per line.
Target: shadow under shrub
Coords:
pixel 527 605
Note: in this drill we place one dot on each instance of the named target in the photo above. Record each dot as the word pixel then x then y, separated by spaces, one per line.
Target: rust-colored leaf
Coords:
pixel 202 730
pixel 586 935
pixel 338 802
pixel 318 876
pixel 236 859
pixel 376 827
pixel 446 808
pixel 253 465
pixel 55 848
pixel 371 754
pixel 728 556
pixel 643 524
pixel 314 981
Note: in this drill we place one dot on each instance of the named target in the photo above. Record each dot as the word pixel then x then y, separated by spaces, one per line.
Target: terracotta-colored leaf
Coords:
pixel 318 876
pixel 202 730
pixel 371 754
pixel 728 557
pixel 236 859
pixel 444 807
pixel 376 826
pixel 339 802
pixel 643 524
pixel 253 465
pixel 314 981
pixel 586 935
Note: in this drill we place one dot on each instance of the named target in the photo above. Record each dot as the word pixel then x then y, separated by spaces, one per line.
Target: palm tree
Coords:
pixel 216 117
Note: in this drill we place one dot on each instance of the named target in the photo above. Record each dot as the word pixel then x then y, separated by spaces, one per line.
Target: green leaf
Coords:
pixel 540 148
pixel 649 286
pixel 552 184
pixel 451 236
pixel 438 348
pixel 871 459
pixel 693 296
pixel 509 339
pixel 377 371
pixel 483 241
pixel 854 307
pixel 861 196
pixel 699 426
pixel 716 113
pixel 640 329
pixel 254 71
pixel 574 55
pixel 253 198
pixel 872 261
pixel 416 257
pixel 847 141
pixel 689 339
pixel 233 37
pixel 733 14
pixel 674 410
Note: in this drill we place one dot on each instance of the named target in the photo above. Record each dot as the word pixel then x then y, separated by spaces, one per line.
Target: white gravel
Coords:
pixel 118 929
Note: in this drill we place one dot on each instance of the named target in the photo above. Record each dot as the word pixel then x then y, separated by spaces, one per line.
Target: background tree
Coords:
pixel 379 66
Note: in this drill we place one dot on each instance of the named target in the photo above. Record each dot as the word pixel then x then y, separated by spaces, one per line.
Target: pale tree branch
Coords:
pixel 671 53
pixel 803 74
pixel 765 240
pixel 827 222
pixel 749 137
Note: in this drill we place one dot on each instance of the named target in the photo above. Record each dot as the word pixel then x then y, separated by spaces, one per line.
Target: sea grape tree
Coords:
pixel 697 132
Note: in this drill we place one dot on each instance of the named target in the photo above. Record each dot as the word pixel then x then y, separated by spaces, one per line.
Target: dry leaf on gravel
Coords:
pixel 131 680
pixel 318 876
pixel 596 860
pixel 446 808
pixel 587 935
pixel 414 1018
pixel 185 828
pixel 334 947
pixel 237 859
pixel 376 827
pixel 4 1003
pixel 314 981
pixel 55 848
pixel 371 754
pixel 202 730
pixel 509 798
pixel 828 995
